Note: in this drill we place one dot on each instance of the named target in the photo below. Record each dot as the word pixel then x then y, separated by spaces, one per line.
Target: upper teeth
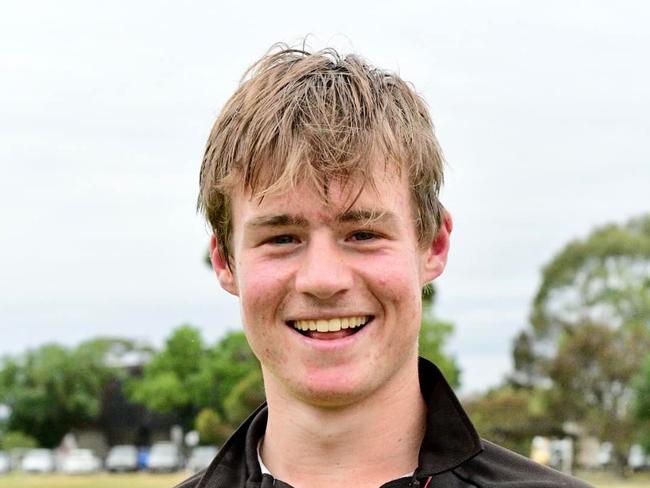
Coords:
pixel 331 325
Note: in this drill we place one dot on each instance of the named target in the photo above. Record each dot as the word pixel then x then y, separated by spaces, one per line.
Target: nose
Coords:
pixel 323 272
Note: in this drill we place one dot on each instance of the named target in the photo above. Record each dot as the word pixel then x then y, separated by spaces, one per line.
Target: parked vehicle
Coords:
pixel 38 461
pixel 5 462
pixel 637 458
pixel 605 457
pixel 165 456
pixel 143 458
pixel 80 461
pixel 201 458
pixel 122 458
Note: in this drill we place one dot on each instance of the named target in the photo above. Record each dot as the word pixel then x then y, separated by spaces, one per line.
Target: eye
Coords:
pixel 281 239
pixel 363 235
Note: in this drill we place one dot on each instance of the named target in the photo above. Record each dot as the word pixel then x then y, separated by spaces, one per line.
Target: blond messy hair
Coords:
pixel 319 117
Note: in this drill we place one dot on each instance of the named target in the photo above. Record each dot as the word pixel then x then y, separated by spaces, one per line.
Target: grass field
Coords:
pixel 143 480
pixel 137 480
pixel 608 480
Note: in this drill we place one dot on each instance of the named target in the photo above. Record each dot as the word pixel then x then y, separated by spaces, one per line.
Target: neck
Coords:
pixel 366 443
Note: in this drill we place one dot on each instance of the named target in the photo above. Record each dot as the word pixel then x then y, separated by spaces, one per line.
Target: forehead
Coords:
pixel 386 192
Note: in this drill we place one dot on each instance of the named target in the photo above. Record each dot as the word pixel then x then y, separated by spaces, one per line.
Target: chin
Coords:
pixel 333 389
pixel 331 398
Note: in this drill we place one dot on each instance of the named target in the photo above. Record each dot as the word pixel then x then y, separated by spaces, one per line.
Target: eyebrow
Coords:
pixel 351 216
pixel 279 220
pixel 367 215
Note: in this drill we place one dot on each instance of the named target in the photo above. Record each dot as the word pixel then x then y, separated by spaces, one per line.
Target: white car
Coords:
pixel 605 455
pixel 80 461
pixel 165 456
pixel 5 462
pixel 38 461
pixel 637 459
pixel 201 458
pixel 122 458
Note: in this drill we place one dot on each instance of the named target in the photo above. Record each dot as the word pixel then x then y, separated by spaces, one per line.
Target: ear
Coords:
pixel 221 267
pixel 435 257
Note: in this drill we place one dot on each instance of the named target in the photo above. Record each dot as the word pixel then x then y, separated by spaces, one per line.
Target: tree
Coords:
pixel 17 440
pixel 178 378
pixel 590 329
pixel 602 279
pixel 434 333
pixel 187 376
pixel 53 389
pixel 247 395
pixel 211 427
pixel 237 370
pixel 591 373
pixel 641 385
pixel 511 416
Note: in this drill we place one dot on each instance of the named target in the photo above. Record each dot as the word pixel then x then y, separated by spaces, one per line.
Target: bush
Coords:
pixel 211 428
pixel 245 397
pixel 17 440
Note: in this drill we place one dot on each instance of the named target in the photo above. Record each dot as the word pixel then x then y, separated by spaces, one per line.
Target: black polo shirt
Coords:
pixel 451 455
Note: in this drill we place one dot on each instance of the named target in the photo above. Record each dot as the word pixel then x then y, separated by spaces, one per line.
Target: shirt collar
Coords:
pixel 450 438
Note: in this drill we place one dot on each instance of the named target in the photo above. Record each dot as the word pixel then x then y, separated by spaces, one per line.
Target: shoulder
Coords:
pixel 191 482
pixel 496 466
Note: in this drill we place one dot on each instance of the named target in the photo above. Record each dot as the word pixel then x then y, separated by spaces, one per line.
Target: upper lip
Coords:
pixel 330 316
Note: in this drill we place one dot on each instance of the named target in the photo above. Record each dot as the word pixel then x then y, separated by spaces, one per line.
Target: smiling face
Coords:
pixel 354 274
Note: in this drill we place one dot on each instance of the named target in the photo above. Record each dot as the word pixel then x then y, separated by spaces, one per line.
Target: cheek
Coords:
pixel 396 278
pixel 260 286
pixel 261 295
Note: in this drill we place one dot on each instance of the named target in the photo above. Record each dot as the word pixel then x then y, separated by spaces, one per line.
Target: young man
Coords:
pixel 320 181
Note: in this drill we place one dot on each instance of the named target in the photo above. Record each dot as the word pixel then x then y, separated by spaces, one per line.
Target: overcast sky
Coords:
pixel 542 109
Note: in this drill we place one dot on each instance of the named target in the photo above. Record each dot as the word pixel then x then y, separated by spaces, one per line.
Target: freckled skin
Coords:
pixel 322 271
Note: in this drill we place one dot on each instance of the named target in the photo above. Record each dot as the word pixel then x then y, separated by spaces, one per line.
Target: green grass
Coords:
pixel 609 480
pixel 144 480
pixel 137 480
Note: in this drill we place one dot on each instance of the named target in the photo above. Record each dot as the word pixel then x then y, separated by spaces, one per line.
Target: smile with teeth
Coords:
pixel 331 325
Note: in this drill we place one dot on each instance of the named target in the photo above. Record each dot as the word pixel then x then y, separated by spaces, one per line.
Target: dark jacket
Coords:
pixel 451 455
